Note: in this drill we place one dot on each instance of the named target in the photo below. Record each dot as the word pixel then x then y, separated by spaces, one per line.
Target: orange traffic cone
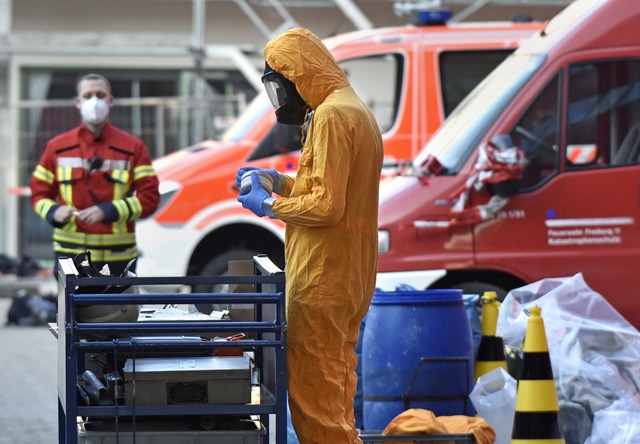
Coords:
pixel 491 349
pixel 536 416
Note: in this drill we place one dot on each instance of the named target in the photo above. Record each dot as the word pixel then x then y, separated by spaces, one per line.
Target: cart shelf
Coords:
pixel 266 341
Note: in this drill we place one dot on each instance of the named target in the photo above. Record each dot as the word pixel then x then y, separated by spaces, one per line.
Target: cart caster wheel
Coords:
pixel 207 422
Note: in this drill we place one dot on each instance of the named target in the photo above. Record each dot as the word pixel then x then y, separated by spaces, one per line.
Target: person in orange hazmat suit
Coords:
pixel 330 210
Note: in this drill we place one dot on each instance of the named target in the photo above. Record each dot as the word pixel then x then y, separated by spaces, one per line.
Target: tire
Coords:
pixel 477 287
pixel 218 266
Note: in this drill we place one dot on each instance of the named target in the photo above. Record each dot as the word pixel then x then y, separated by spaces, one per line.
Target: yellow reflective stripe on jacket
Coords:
pixel 135 207
pixel 43 206
pixel 103 247
pixel 119 189
pixel 120 175
pixel 43 174
pixel 123 209
pixel 71 251
pixel 143 171
pixel 99 255
pixel 120 226
pixel 113 256
pixel 93 240
pixel 66 187
pixel 128 209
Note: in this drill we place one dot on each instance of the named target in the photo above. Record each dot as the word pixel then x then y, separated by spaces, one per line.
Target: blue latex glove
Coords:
pixel 279 180
pixel 255 198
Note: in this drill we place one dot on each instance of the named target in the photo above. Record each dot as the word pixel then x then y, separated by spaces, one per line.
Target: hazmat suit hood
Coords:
pixel 302 58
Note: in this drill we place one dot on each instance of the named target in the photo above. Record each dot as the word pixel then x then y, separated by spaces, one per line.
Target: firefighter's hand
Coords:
pixel 91 215
pixel 62 214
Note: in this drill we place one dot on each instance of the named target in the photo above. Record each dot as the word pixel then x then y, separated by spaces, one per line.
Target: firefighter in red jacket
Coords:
pixel 93 182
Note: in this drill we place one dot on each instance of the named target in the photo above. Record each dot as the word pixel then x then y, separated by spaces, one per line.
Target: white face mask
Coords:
pixel 94 111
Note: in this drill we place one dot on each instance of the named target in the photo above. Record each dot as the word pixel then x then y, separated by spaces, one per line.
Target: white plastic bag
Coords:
pixel 594 351
pixel 494 397
pixel 617 424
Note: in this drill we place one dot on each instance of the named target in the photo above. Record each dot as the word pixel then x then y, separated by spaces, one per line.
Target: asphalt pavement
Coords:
pixel 28 378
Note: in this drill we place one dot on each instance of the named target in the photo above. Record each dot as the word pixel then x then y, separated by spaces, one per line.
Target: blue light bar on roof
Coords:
pixel 431 17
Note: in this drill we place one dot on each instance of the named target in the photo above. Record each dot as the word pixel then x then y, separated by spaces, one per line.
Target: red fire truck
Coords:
pixel 411 77
pixel 536 174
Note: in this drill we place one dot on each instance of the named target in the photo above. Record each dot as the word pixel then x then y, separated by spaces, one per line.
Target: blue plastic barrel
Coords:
pixel 417 353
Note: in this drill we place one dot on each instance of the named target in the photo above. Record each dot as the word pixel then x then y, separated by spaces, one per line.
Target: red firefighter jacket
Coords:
pixel 113 171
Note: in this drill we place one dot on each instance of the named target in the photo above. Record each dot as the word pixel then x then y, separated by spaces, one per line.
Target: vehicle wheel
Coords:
pixel 477 287
pixel 218 266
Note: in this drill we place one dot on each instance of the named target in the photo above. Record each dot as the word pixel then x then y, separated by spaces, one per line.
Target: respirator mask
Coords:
pixel 94 111
pixel 289 106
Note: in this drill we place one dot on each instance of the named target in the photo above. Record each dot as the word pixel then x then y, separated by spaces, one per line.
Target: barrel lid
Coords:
pixel 416 297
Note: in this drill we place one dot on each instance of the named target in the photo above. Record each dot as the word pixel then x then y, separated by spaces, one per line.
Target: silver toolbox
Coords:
pixel 169 430
pixel 188 380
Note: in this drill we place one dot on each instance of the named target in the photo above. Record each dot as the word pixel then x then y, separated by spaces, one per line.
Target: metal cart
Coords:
pixel 376 437
pixel 267 342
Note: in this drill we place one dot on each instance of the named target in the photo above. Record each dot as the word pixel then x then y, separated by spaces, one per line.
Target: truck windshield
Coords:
pixel 254 112
pixel 462 130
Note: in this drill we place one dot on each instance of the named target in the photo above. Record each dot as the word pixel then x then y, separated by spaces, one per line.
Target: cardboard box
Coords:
pixel 188 380
pixel 241 312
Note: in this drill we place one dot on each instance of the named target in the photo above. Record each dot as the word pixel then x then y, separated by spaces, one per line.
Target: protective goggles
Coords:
pixel 276 86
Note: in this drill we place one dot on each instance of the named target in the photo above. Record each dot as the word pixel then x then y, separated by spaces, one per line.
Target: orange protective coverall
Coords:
pixel 331 216
pixel 420 421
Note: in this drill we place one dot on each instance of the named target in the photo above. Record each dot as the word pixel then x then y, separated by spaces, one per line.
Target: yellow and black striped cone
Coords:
pixel 536 416
pixel 490 354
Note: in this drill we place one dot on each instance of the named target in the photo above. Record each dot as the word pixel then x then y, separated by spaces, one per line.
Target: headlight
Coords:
pixel 383 241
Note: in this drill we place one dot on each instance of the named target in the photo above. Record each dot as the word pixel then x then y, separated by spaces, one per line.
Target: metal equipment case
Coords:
pixel 154 433
pixel 201 380
pixel 438 438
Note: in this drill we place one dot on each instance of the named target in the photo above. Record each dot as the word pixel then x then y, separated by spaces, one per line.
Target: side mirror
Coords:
pixel 504 160
pixel 432 165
